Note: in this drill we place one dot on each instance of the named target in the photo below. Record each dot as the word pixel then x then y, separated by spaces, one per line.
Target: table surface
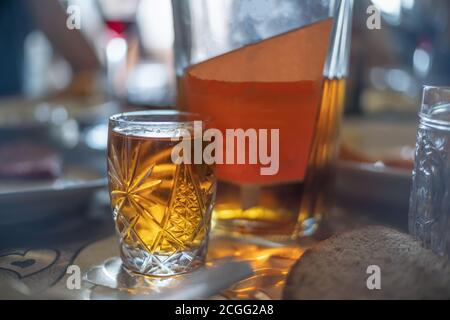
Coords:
pixel 41 262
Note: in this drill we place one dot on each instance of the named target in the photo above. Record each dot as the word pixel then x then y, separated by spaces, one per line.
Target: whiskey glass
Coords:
pixel 161 208
pixel 429 211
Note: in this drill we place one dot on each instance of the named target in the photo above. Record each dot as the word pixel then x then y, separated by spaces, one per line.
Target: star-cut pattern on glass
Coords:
pixel 186 223
pixel 181 227
pixel 127 188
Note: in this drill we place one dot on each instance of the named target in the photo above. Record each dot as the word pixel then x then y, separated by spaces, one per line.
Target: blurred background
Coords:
pixel 59 83
pixel 67 65
pixel 124 49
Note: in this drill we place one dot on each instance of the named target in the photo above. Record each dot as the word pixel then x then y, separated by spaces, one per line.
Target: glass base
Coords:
pixel 280 212
pixel 267 230
pixel 139 261
pixel 111 280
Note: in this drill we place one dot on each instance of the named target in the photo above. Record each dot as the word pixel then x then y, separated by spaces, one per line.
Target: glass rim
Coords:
pixel 441 88
pixel 435 100
pixel 158 117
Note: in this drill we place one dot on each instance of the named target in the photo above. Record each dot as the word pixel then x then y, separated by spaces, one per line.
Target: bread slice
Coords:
pixel 337 268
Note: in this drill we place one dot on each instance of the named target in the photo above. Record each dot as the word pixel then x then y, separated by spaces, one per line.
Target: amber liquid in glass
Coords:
pixel 295 207
pixel 161 209
pixel 277 83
